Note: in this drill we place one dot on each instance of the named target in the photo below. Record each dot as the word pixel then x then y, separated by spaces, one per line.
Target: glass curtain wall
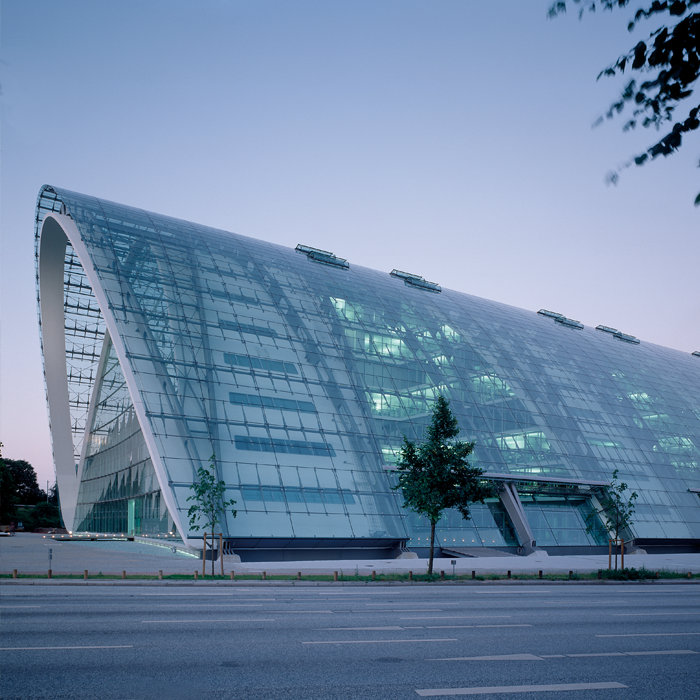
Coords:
pixel 301 373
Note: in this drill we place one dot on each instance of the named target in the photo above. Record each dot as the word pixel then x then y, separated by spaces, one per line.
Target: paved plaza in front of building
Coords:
pixel 35 553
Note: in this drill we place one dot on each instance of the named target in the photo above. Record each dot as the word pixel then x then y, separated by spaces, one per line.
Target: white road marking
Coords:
pixel 13 607
pixel 393 610
pixel 507 592
pixel 207 620
pixel 380 641
pixel 199 594
pixel 652 634
pixel 449 627
pixel 211 605
pixel 495 657
pixel 108 646
pixel 554 688
pixel 542 657
pixel 301 612
pixel 653 614
pixel 454 617
pixel 391 628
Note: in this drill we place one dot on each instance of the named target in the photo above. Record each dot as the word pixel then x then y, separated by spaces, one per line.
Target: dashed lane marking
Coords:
pixel 486 690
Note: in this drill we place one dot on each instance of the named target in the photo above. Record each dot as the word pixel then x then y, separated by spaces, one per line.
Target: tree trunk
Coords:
pixel 432 548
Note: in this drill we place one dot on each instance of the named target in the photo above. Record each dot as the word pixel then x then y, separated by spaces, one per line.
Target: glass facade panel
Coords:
pixel 183 341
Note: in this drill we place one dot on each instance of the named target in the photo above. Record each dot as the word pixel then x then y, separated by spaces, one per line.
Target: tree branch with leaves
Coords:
pixel 667 65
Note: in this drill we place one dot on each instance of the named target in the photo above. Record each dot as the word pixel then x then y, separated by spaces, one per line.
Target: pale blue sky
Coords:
pixel 451 138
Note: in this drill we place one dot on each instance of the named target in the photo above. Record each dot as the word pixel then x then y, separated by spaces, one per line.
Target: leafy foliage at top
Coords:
pixel 667 65
pixel 207 498
pixel 22 499
pixel 436 475
pixel 617 507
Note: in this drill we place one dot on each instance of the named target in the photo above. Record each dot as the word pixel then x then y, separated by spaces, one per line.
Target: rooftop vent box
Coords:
pixel 549 314
pixel 416 281
pixel 322 256
pixel 569 322
pixel 626 338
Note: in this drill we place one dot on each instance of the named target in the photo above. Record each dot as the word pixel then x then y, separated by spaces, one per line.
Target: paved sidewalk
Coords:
pixel 29 553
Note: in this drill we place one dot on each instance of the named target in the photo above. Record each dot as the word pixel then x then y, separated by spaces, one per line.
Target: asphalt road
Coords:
pixel 611 641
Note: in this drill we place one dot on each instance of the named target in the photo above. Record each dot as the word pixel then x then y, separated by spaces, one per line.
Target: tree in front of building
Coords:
pixel 616 510
pixel 435 475
pixel 208 504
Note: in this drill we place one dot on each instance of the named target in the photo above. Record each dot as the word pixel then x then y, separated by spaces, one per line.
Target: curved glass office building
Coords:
pixel 165 343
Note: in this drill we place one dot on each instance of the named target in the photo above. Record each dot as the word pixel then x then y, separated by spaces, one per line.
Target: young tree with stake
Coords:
pixel 616 511
pixel 207 500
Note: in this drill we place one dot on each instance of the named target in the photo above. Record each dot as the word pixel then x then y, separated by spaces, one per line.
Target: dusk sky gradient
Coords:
pixel 449 138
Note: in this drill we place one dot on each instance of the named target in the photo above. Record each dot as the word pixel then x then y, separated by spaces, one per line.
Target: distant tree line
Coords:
pixel 21 499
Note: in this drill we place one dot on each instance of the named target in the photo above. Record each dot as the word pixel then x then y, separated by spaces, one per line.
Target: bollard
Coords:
pixel 374 575
pixel 49 574
pixel 160 574
pixel 233 575
pixel 85 574
pixel 123 574
pixel 571 575
pixel 508 573
pixel 195 575
pixel 335 575
pixel 410 576
pixel 14 573
pixel 539 573
pixel 473 575
pixel 298 575
pixel 264 576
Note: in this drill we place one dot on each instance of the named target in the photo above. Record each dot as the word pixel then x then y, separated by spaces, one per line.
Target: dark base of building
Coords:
pixel 662 546
pixel 310 549
pixel 324 549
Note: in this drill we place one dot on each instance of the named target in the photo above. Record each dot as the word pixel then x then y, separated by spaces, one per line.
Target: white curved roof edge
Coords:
pixel 55 230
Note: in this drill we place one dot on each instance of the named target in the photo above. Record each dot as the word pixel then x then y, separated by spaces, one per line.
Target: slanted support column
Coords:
pixel 511 502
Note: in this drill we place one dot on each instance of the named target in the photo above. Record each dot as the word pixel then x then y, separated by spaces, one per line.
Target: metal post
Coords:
pixel 622 551
pixel 609 553
pixel 204 556
pixel 221 551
